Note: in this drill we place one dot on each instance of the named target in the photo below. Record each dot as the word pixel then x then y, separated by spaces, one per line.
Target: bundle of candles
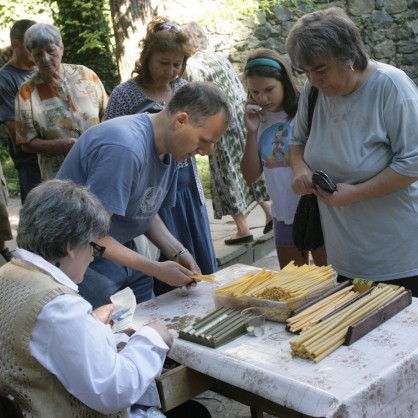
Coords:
pixel 290 283
pixel 327 335
pixel 205 278
pixel 216 329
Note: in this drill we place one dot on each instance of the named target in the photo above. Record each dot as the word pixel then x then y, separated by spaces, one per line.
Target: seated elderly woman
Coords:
pixel 58 357
pixel 58 103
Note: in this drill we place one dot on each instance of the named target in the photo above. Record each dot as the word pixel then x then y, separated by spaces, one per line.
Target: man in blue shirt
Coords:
pixel 130 164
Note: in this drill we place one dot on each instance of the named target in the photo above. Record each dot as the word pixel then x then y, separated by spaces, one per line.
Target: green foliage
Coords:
pixel 9 171
pixel 4 154
pixel 85 29
pixel 204 174
pixel 10 11
pixel 239 10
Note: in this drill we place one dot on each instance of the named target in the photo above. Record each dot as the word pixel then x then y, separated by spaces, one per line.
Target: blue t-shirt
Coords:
pixel 119 162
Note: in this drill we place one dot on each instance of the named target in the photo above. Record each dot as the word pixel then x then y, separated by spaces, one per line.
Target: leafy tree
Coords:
pixel 84 27
pixel 10 11
pixel 85 30
pixel 236 11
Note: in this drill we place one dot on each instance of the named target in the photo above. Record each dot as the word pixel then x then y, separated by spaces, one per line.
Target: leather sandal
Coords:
pixel 268 227
pixel 242 240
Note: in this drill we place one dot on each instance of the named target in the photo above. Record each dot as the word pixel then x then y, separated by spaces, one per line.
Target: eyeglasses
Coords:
pixel 98 250
pixel 168 26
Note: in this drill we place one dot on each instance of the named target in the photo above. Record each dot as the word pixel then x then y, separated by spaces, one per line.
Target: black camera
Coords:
pixel 322 180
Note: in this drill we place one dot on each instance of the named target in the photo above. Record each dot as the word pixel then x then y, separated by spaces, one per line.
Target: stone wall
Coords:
pixel 389 28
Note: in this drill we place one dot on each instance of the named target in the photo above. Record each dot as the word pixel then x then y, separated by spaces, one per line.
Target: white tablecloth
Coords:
pixel 375 377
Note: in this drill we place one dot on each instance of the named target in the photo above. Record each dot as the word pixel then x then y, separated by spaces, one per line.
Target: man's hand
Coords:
pixel 187 260
pixel 175 274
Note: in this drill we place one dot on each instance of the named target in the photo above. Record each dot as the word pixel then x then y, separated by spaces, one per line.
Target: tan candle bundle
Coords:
pixel 290 283
pixel 325 337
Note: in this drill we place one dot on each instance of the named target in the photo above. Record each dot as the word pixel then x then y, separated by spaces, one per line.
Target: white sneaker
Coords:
pixel 154 412
pixel 140 411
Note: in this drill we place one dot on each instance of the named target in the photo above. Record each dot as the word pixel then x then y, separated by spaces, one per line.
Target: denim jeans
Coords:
pixel 104 277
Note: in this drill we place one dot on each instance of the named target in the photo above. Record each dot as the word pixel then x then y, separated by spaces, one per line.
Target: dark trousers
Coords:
pixel 29 177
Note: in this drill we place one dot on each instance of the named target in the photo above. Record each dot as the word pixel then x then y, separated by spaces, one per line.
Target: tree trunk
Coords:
pixel 129 22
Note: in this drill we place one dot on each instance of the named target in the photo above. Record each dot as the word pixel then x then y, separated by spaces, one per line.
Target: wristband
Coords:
pixel 180 252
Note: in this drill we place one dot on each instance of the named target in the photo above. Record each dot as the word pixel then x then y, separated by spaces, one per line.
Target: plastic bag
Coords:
pixel 124 303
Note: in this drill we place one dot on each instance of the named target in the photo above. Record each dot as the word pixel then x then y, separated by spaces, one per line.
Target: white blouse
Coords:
pixel 81 351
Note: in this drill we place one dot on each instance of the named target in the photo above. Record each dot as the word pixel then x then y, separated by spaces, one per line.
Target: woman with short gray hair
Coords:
pixel 364 136
pixel 58 103
pixel 66 218
pixel 43 34
pixel 58 356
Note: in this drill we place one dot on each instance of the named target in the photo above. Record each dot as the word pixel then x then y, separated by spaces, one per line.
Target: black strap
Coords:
pixel 313 95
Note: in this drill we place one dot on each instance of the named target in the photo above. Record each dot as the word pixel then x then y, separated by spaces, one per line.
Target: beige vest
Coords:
pixel 24 290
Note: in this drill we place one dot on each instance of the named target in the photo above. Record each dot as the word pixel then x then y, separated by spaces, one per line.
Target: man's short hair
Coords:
pixel 200 100
pixel 19 28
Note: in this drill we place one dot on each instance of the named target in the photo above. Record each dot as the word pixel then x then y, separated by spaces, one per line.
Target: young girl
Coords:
pixel 272 104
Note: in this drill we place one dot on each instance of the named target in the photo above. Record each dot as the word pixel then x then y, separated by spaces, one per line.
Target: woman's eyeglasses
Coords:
pixel 98 250
pixel 168 26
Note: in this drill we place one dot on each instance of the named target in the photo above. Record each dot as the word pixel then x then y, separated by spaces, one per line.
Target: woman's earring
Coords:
pixel 351 68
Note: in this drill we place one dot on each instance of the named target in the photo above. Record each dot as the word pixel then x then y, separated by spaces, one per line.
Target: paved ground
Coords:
pixel 220 229
pixel 219 406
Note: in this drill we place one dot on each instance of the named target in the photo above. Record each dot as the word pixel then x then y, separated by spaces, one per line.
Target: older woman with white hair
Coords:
pixel 60 358
pixel 56 105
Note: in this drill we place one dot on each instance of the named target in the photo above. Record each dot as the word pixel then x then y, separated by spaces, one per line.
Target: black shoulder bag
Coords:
pixel 307 229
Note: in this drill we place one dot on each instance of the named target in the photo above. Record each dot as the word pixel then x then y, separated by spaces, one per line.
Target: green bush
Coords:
pixel 9 171
pixel 204 174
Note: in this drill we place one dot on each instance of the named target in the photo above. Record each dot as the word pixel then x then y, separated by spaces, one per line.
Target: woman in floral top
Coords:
pixel 58 104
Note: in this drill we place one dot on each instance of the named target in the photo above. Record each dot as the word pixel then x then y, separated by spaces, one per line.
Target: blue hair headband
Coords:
pixel 258 62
